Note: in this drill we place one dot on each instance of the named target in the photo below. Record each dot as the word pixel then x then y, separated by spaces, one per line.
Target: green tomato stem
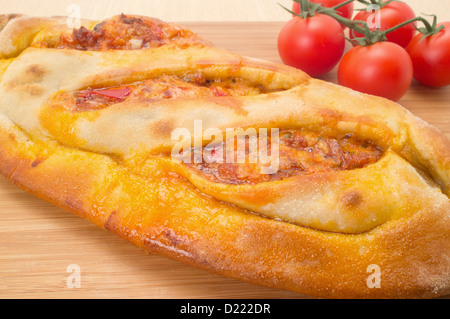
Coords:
pixel 308 9
pixel 304 8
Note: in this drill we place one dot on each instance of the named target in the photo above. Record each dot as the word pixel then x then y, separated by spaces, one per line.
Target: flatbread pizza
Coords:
pixel 241 167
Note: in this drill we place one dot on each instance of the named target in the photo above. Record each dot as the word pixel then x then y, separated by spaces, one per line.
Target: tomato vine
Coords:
pixel 386 55
pixel 309 9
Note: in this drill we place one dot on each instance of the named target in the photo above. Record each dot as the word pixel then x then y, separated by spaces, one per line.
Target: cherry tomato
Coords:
pixel 431 57
pixel 383 68
pixel 314 44
pixel 391 15
pixel 345 11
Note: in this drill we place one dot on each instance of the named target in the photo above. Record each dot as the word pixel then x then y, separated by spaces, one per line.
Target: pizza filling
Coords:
pixel 298 153
pixel 167 87
pixel 124 33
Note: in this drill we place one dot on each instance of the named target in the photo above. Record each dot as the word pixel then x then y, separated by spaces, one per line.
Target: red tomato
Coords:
pixel 384 69
pixel 345 11
pixel 314 45
pixel 391 15
pixel 431 57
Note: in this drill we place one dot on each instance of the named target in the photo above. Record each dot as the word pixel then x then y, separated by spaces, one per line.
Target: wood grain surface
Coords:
pixel 188 10
pixel 38 242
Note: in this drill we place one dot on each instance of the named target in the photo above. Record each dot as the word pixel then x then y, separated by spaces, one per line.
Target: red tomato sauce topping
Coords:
pixel 125 33
pixel 166 87
pixel 300 153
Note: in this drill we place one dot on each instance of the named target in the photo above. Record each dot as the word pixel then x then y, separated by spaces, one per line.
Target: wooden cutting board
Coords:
pixel 40 244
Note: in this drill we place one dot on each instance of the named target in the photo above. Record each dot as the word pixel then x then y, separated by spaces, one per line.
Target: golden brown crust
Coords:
pixel 321 234
pixel 5 18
